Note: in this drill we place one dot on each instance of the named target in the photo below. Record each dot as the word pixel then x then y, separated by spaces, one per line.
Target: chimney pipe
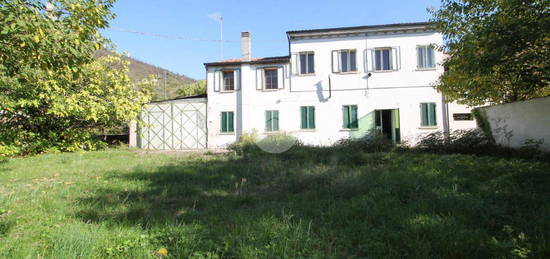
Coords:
pixel 245 47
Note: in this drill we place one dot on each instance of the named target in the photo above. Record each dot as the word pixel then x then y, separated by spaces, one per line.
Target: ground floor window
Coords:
pixel 350 117
pixel 428 114
pixel 271 120
pixel 308 117
pixel 227 122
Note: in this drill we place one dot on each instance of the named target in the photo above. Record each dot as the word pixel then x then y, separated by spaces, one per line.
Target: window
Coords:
pixel 228 80
pixel 227 122
pixel 271 120
pixel 347 61
pixel 308 117
pixel 350 117
pixel 425 57
pixel 306 63
pixel 270 76
pixel 462 117
pixel 428 114
pixel 382 59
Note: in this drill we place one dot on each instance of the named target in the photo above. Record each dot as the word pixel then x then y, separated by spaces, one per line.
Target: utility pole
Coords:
pixel 218 17
pixel 221 38
pixel 164 84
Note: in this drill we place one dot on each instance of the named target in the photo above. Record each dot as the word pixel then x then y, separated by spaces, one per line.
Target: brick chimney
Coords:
pixel 245 47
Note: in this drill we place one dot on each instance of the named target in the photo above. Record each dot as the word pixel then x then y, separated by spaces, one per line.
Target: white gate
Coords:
pixel 174 125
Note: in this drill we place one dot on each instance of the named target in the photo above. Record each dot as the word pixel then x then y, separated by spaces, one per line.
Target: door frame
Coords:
pixel 395 122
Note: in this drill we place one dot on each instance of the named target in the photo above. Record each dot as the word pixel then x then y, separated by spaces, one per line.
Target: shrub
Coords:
pixel 251 144
pixel 7 151
pixel 477 143
pixel 372 142
pixel 246 144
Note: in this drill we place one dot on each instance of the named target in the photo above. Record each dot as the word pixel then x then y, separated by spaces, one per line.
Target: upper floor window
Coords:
pixel 425 57
pixel 344 61
pixel 383 59
pixel 307 63
pixel 271 80
pixel 228 80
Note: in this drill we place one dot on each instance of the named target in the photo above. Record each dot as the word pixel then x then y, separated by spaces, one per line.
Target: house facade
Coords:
pixel 334 84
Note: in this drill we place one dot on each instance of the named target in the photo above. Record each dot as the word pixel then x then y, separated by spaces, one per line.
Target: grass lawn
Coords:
pixel 311 202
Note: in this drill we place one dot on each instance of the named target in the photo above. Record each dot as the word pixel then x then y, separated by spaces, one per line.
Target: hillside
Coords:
pixel 140 70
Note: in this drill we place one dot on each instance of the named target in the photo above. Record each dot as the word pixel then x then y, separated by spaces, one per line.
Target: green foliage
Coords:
pixel 499 51
pixel 191 89
pixel 246 144
pixel 478 143
pixel 316 203
pixel 371 142
pixel 55 94
pixel 482 122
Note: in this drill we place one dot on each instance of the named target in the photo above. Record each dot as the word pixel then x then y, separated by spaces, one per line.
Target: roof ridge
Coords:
pixel 378 26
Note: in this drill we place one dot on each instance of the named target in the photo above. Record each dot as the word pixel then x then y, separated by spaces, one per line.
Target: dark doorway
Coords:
pixel 387 124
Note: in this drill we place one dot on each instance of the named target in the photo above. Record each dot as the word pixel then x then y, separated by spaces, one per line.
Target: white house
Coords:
pixel 336 83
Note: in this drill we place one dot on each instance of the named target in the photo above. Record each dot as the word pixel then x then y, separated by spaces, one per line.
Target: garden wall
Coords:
pixel 515 124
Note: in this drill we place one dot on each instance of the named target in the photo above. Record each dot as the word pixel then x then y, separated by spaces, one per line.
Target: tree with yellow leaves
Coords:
pixel 54 94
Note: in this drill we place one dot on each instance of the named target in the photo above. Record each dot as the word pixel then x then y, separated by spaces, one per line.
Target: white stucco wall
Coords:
pixel 404 89
pixel 512 124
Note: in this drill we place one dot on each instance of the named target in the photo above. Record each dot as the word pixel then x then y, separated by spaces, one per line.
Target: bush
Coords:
pixel 477 143
pixel 250 144
pixel 370 143
pixel 7 151
pixel 246 144
pixel 459 141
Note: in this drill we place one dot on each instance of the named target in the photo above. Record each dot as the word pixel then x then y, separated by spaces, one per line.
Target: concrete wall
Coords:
pixel 403 89
pixel 513 124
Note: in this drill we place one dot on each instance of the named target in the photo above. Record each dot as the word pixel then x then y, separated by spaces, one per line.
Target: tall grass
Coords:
pixel 309 202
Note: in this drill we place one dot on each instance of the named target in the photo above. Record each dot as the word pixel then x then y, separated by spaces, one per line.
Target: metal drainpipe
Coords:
pixel 445 109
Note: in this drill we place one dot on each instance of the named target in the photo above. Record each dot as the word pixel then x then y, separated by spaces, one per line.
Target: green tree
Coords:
pixel 499 51
pixel 54 93
pixel 191 89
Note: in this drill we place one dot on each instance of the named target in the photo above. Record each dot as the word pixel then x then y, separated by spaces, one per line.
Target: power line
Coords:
pixel 177 37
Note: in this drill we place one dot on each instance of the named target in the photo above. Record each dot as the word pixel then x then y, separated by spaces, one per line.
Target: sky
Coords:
pixel 187 36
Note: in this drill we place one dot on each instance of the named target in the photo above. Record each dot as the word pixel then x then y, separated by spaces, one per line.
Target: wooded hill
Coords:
pixel 140 70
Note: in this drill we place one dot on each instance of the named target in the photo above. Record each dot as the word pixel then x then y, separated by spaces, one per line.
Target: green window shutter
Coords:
pixel 432 117
pixel 275 120
pixel 230 122
pixel 345 112
pixel 353 118
pixel 424 114
pixel 267 120
pixel 311 121
pixel 224 122
pixel 428 114
pixel 303 115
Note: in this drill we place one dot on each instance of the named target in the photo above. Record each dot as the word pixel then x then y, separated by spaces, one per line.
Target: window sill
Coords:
pixel 427 127
pixel 227 92
pixel 305 75
pixel 346 73
pixel 383 71
pixel 271 132
pixel 270 90
pixel 226 133
pixel 345 130
pixel 426 69
pixel 307 130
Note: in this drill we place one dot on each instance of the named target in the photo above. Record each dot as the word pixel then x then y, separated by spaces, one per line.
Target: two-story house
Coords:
pixel 335 83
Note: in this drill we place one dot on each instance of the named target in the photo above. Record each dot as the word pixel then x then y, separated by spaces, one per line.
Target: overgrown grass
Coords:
pixel 308 202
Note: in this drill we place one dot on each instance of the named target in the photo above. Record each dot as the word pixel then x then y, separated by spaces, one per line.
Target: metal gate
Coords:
pixel 174 125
